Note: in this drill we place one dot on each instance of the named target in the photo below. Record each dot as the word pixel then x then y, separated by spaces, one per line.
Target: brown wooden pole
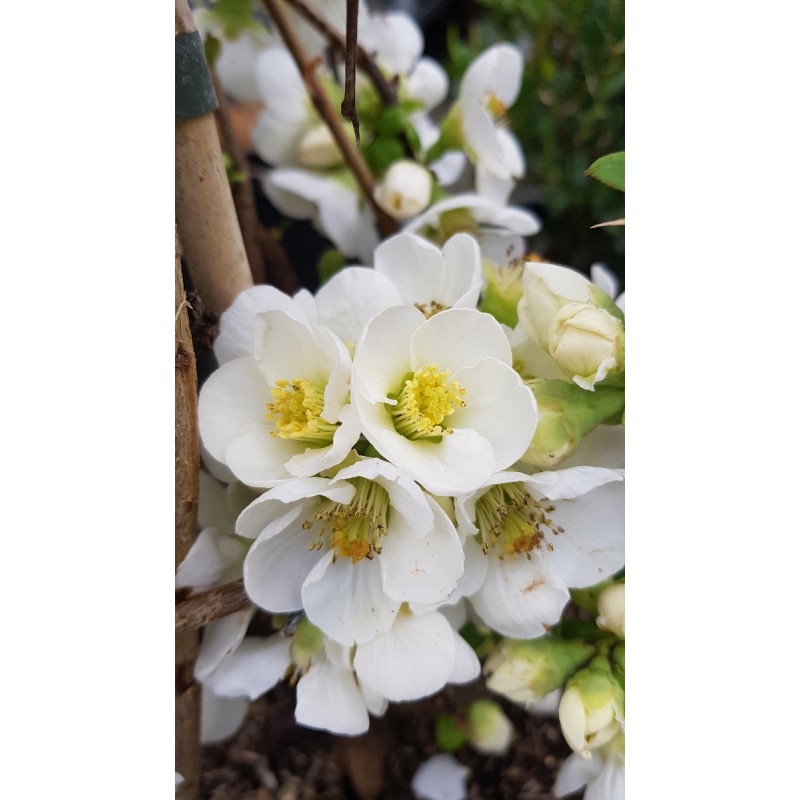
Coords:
pixel 187 465
pixel 207 225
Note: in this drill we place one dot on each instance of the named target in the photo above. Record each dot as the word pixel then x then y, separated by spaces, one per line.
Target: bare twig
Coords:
pixel 187 465
pixel 352 157
pixel 349 102
pixel 385 89
pixel 207 606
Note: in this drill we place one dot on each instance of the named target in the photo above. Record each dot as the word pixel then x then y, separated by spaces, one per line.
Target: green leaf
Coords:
pixel 609 170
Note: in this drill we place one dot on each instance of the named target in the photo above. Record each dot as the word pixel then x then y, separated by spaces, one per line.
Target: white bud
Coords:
pixel 611 608
pixel 319 149
pixel 587 343
pixel 405 190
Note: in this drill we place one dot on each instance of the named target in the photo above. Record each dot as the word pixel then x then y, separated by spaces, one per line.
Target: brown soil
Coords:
pixel 272 758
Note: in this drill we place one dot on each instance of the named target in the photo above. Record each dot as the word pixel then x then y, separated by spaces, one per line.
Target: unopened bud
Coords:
pixel 489 730
pixel 405 190
pixel 307 641
pixel 527 670
pixel 592 708
pixel 587 343
pixel 567 413
pixel 318 149
pixel 611 610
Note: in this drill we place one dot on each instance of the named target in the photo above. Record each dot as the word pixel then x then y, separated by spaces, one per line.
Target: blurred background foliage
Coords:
pixel 570 111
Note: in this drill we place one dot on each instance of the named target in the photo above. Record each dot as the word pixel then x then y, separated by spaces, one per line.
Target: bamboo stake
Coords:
pixel 207 223
pixel 187 465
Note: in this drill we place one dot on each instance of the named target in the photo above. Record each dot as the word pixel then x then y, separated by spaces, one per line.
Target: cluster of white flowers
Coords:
pixel 397 459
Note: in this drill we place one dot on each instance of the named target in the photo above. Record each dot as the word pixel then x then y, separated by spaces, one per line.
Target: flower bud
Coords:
pixel 611 610
pixel 567 413
pixel 306 642
pixel 318 149
pixel 587 343
pixel 405 190
pixel 525 671
pixel 592 708
pixel 489 730
pixel 561 310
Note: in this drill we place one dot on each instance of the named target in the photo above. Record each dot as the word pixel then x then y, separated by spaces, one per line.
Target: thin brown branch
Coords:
pixel 207 606
pixel 385 89
pixel 351 42
pixel 187 465
pixel 319 98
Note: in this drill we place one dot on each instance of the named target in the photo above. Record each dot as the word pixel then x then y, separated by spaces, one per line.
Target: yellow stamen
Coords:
pixel 429 309
pixel 508 517
pixel 357 527
pixel 296 412
pixel 496 108
pixel 423 403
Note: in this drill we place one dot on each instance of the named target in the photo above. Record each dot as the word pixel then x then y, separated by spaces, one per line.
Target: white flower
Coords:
pixel 438 397
pixel 220 717
pixel 333 204
pixel 541 534
pixel 489 87
pixel 282 412
pixel 497 227
pixel 441 777
pixel 404 190
pixel 603 773
pixel 409 270
pixel 351 550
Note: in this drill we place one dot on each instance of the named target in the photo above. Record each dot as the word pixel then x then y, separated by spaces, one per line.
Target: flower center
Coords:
pixel 511 519
pixel 423 403
pixel 496 108
pixel 356 528
pixel 296 412
pixel 429 309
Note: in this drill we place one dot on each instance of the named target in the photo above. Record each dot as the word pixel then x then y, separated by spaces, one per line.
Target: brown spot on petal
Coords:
pixel 532 587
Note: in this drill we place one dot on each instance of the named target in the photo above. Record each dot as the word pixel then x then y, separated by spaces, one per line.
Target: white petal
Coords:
pixel 441 777
pixel 352 297
pixel 414 265
pixel 466 667
pixel 347 223
pixel 498 70
pixel 236 66
pixel 499 407
pixel 428 83
pixel 575 773
pixel 394 37
pixel 329 699
pixel 220 717
pixel 258 459
pixel 382 356
pixel 346 601
pixel 230 400
pixel 220 639
pixel 481 139
pixel 519 597
pixel 448 167
pixel 463 273
pixel 237 323
pixel 422 570
pixel 456 338
pixel 294 192
pixel 609 784
pixel 317 459
pixel 253 668
pixel 604 279
pixel 215 558
pixel 592 546
pixel 275 568
pixel 413 659
pixel 568 484
pixel 501 247
pixel 512 154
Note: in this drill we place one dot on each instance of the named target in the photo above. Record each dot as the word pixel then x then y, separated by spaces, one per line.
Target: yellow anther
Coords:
pixel 296 412
pixel 423 403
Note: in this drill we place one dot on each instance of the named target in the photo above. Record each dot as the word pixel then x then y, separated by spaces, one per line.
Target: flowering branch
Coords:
pixel 351 35
pixel 385 89
pixel 207 606
pixel 307 67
